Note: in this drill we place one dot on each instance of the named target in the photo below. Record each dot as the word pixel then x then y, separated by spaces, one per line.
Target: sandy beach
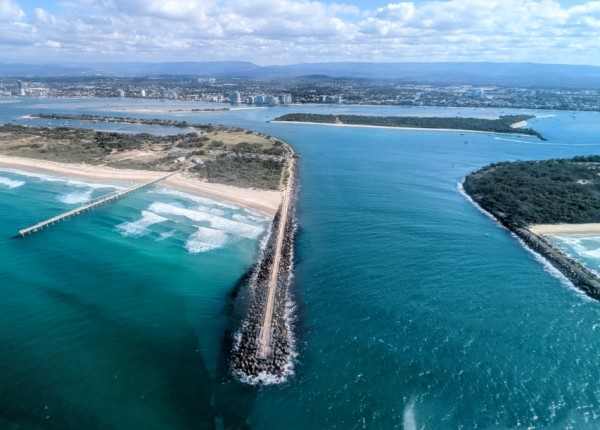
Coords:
pixel 519 124
pixel 397 128
pixel 593 228
pixel 261 200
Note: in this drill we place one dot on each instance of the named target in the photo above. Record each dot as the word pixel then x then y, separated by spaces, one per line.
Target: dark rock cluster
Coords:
pixel 244 360
pixel 578 274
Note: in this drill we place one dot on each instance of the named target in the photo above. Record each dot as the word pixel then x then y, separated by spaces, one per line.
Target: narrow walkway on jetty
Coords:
pixel 264 337
pixel 92 204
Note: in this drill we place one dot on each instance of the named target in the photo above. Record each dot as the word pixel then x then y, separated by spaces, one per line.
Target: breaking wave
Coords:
pixel 140 227
pixel 68 181
pixel 197 199
pixel 75 197
pixel 216 222
pixel 10 183
pixel 206 239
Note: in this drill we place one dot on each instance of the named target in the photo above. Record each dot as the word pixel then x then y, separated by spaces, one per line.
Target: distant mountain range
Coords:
pixel 517 74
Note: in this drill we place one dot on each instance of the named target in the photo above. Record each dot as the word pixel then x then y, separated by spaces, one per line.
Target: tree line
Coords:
pixel 539 192
pixel 499 125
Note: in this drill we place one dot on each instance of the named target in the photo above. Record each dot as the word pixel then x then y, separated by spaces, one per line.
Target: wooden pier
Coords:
pixel 91 204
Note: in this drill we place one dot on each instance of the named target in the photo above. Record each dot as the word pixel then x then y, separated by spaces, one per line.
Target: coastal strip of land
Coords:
pixel 266 201
pixel 507 124
pixel 537 198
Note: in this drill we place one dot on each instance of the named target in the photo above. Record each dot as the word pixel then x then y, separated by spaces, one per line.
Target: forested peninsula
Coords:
pixel 505 124
pixel 524 193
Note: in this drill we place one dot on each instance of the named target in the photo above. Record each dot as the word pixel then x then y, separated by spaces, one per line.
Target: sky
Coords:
pixel 269 32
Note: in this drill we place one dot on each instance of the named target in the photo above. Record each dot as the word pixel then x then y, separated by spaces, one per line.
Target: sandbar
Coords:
pixel 265 201
pixel 558 229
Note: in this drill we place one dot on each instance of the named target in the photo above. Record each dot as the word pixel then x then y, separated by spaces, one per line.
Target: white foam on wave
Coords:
pixel 236 228
pixel 68 181
pixel 11 183
pixel 166 235
pixel 248 218
pixel 216 222
pixel 77 197
pixel 409 420
pixel 93 185
pixel 206 239
pixel 192 197
pixel 140 227
pixel 527 142
pixel 265 378
pixel 576 244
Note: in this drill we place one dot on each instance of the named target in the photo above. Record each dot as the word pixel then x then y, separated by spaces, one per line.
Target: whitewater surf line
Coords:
pixel 264 349
pixel 91 205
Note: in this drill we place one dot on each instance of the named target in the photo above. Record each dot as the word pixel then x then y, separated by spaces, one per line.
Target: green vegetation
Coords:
pixel 218 154
pixel 500 125
pixel 122 120
pixel 539 192
pixel 242 171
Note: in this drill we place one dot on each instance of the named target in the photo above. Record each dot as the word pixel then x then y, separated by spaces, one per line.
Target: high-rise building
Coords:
pixel 286 99
pixel 20 88
pixel 235 97
pixel 271 100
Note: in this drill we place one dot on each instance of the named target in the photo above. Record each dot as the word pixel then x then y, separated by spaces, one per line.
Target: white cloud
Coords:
pixel 10 11
pixel 287 31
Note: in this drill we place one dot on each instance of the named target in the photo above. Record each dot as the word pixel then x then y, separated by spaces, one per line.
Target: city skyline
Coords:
pixel 286 31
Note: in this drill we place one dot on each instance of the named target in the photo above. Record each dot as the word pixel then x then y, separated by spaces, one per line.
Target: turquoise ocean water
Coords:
pixel 412 308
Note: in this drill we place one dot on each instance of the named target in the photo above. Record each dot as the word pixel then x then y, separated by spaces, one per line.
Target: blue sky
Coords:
pixel 292 31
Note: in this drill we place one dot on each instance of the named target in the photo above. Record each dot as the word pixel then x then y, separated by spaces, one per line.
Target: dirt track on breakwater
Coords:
pixel 267 358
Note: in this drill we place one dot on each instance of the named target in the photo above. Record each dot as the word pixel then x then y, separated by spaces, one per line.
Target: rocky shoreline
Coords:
pixel 581 277
pixel 577 273
pixel 277 365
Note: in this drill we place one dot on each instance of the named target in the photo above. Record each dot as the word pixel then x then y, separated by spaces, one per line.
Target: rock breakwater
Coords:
pixel 276 365
pixel 581 277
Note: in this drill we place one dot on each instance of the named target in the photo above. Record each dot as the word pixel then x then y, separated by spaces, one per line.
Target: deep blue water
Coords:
pixel 413 309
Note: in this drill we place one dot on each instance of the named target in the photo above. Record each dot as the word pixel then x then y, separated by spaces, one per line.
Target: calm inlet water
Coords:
pixel 413 309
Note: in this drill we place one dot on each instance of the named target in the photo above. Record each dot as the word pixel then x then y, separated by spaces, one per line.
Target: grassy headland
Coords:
pixel 504 124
